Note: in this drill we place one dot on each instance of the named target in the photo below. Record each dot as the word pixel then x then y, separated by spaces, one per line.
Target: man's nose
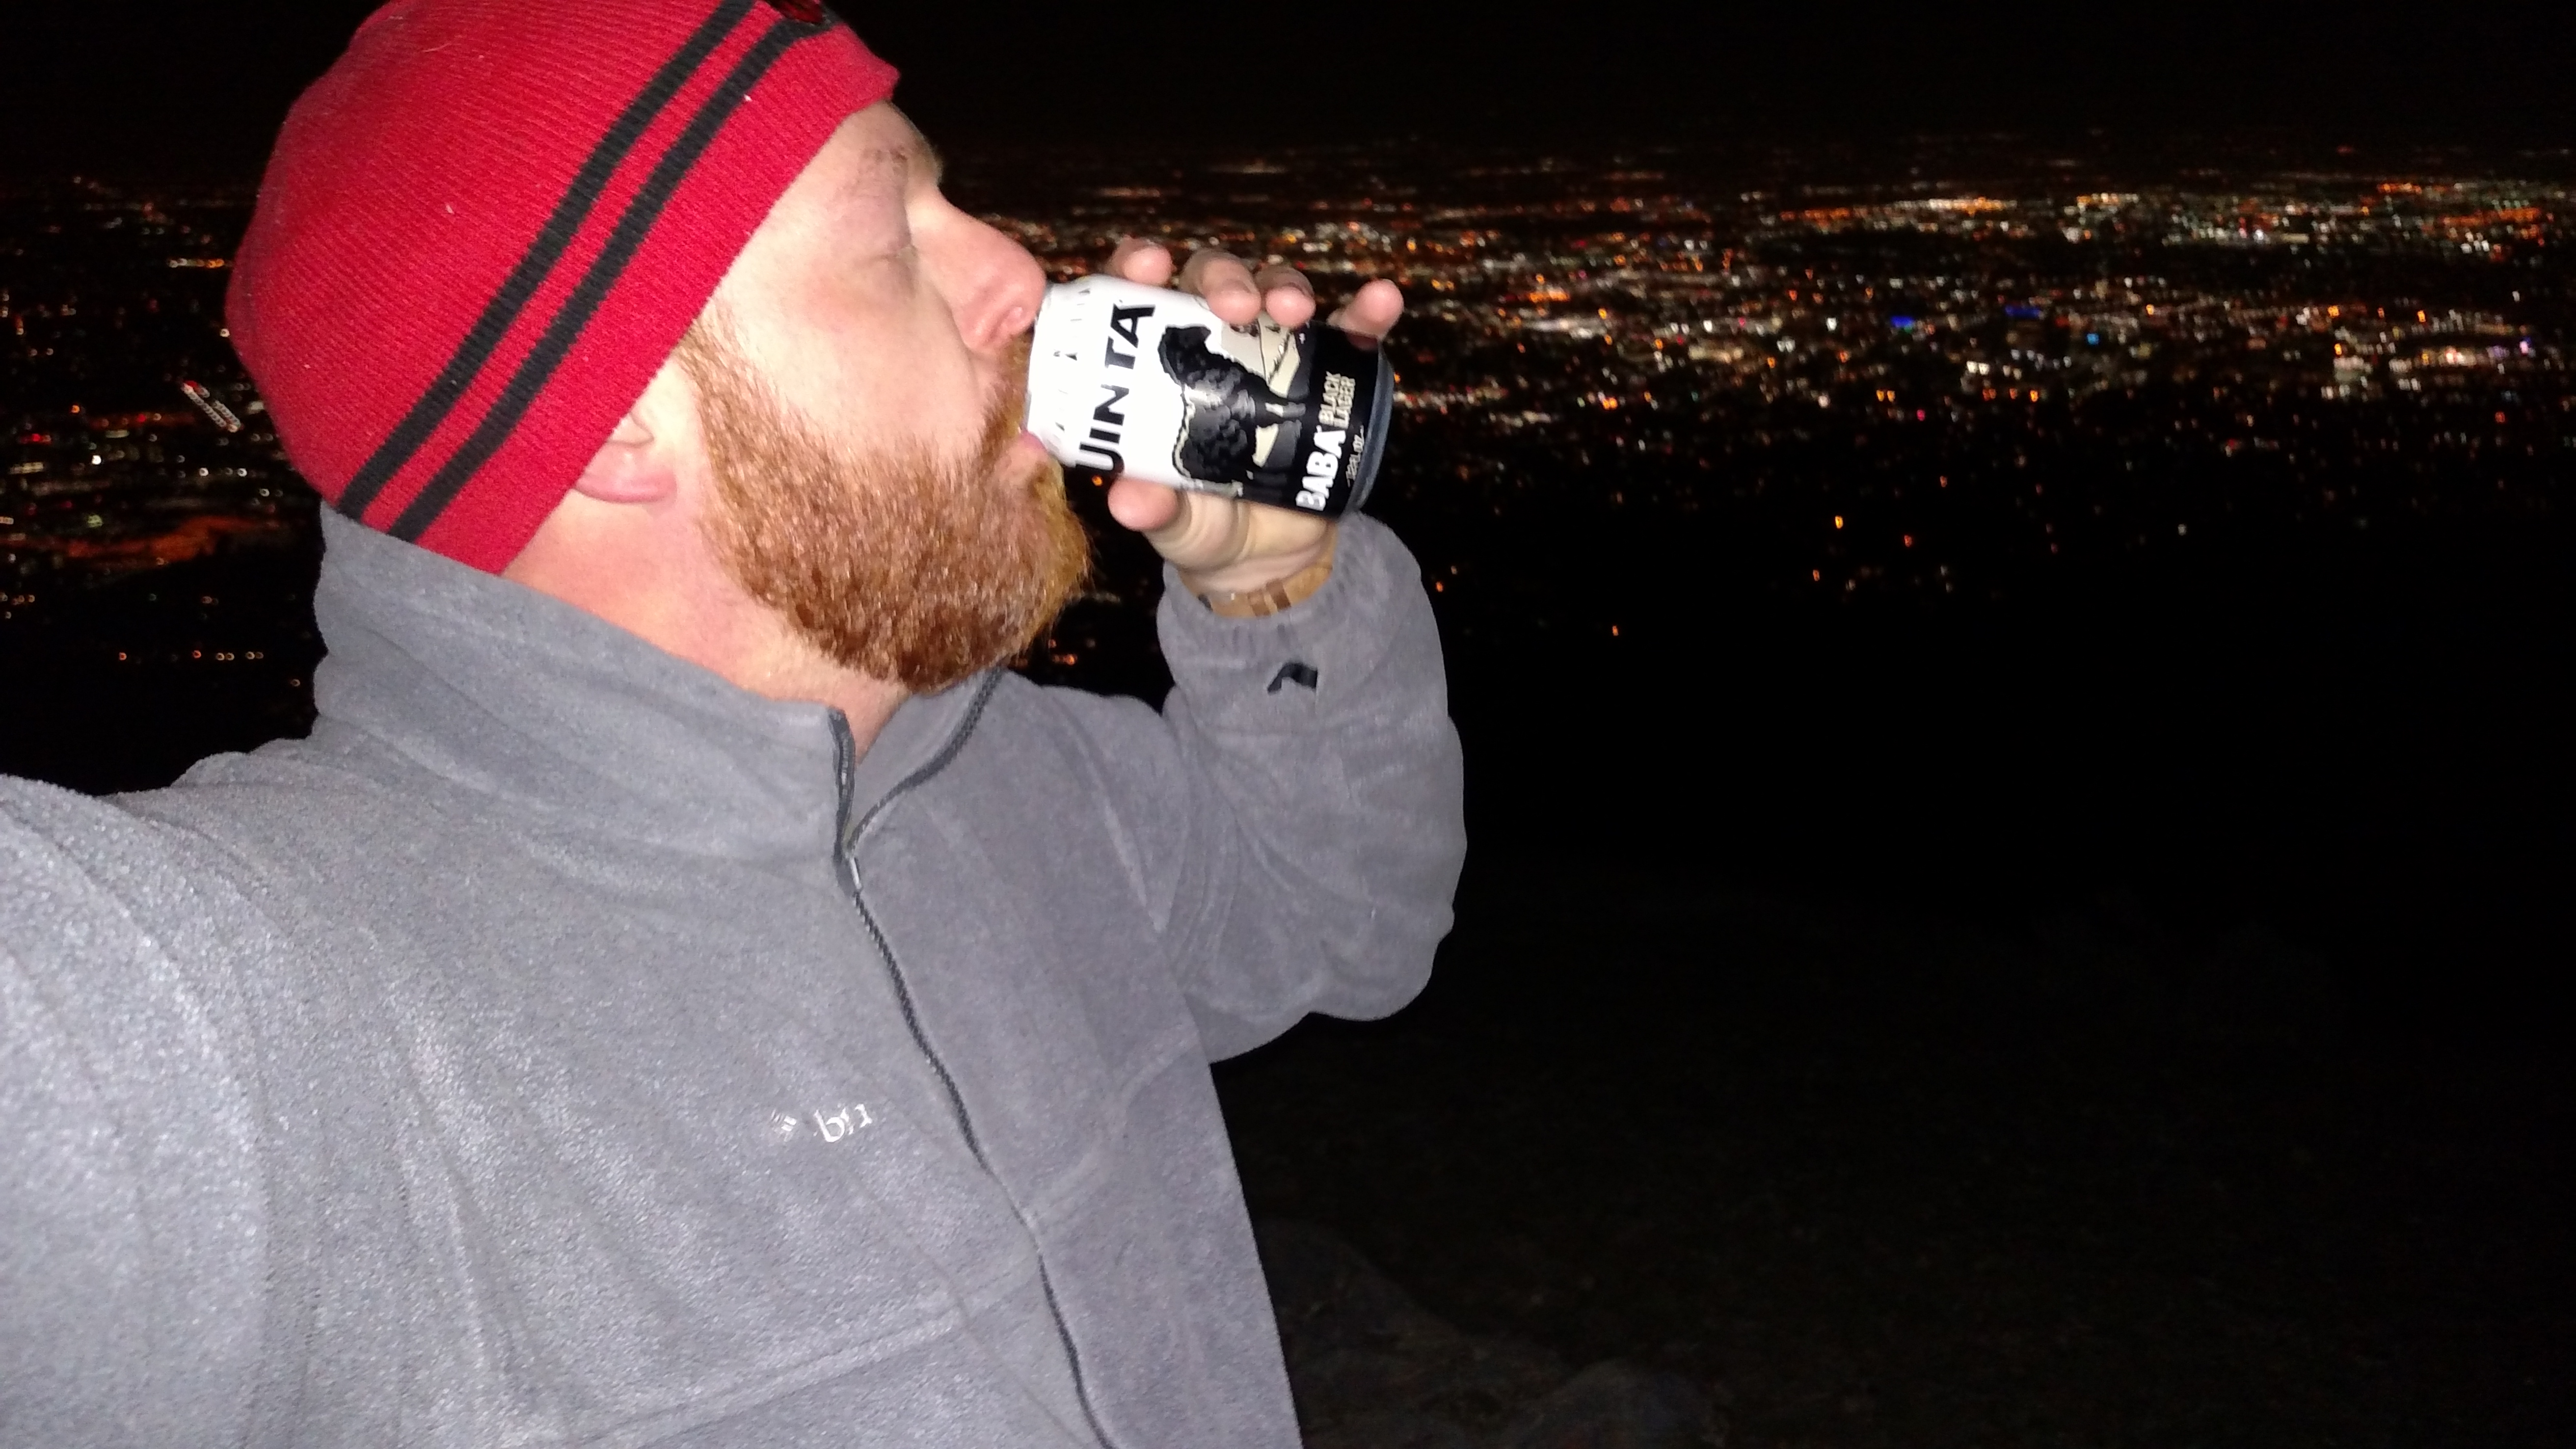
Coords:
pixel 996 287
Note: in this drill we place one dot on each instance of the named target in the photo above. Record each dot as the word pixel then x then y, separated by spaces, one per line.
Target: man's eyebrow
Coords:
pixel 896 166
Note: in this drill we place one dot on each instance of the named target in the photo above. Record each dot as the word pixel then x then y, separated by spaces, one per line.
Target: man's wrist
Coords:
pixel 1255 600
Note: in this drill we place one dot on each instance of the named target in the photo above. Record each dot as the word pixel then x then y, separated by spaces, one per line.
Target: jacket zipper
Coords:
pixel 848 846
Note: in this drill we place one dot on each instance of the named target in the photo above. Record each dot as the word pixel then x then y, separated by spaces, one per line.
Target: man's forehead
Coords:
pixel 854 193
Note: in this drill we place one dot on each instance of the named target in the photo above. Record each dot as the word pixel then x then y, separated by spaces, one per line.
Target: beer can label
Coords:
pixel 1149 382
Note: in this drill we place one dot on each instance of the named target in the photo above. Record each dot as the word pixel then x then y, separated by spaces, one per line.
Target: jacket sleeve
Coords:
pixel 1294 818
pixel 132 1237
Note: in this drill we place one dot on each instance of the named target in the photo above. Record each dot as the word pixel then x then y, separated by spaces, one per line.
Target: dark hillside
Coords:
pixel 1869 1177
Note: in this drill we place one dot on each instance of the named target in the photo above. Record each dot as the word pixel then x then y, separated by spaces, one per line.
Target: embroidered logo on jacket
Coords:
pixel 831 1126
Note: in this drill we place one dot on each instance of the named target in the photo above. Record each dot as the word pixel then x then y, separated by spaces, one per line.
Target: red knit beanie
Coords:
pixel 483 231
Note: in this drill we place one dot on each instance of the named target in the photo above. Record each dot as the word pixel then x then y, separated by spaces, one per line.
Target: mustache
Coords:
pixel 1007 412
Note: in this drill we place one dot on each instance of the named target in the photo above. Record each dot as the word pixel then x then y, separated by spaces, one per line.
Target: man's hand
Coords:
pixel 1225 545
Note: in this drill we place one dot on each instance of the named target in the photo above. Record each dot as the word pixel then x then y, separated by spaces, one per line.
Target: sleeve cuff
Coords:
pixel 1276 670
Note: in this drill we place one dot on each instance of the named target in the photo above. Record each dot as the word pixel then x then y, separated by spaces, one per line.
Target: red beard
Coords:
pixel 904 564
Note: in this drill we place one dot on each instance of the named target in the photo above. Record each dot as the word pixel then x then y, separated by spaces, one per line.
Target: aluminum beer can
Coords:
pixel 1149 382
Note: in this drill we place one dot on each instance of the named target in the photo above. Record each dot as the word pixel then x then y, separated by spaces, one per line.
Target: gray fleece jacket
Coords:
pixel 562 1046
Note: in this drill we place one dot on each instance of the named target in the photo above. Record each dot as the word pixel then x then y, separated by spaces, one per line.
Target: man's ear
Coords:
pixel 633 466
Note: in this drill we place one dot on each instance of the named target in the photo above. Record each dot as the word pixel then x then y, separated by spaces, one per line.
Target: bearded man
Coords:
pixel 684 991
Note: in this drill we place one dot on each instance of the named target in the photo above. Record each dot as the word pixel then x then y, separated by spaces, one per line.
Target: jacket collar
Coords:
pixel 519 696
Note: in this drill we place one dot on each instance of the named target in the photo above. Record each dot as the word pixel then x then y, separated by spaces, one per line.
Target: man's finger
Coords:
pixel 1193 530
pixel 1373 310
pixel 1141 259
pixel 1222 281
pixel 1142 506
pixel 1286 295
pixel 1275 275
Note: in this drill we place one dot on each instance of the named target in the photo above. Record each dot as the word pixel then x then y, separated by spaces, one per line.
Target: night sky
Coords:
pixel 156 87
